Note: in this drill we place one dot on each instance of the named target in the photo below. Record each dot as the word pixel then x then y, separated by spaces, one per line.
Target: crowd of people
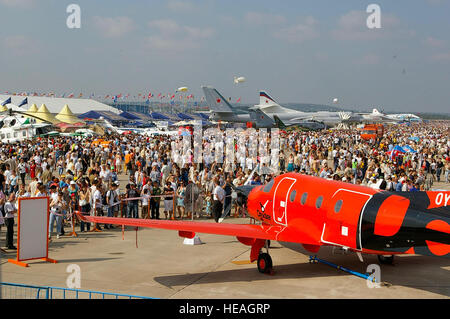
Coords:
pixel 87 175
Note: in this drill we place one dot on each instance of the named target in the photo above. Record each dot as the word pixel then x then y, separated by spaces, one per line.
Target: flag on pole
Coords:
pixel 70 95
pixel 25 101
pixel 238 100
pixel 7 101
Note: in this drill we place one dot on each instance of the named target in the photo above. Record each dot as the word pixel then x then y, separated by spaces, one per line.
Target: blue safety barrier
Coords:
pixel 22 291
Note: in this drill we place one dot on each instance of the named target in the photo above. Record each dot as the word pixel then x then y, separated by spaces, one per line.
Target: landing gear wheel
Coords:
pixel 264 263
pixel 386 260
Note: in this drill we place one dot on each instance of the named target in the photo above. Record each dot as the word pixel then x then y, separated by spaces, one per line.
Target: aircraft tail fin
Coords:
pixel 260 118
pixel 266 100
pixel 376 112
pixel 216 101
pixel 108 125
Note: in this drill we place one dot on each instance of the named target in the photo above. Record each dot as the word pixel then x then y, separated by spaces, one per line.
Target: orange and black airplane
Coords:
pixel 315 212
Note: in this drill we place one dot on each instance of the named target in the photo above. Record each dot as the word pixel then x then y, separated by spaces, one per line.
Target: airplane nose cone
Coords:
pixel 242 194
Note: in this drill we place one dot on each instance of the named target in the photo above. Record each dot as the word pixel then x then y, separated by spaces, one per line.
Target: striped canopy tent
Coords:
pixel 45 114
pixel 67 116
pixel 32 110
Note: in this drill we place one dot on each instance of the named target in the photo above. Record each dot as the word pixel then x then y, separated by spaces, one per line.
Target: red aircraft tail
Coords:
pixel 407 222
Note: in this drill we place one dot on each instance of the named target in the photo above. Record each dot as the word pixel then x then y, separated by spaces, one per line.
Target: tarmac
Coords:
pixel 157 264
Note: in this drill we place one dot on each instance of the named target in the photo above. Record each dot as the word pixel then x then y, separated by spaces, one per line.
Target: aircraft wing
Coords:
pixel 189 228
pixel 300 119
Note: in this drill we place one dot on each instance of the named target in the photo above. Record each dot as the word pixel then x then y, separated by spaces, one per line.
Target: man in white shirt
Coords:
pixel 37 159
pixel 218 199
pixel 112 199
pixel 7 174
pixel 22 168
pixel 98 205
pixel 105 175
pixel 10 210
pixel 79 166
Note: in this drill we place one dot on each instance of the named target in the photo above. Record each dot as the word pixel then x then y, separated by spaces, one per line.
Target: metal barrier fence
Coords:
pixel 21 291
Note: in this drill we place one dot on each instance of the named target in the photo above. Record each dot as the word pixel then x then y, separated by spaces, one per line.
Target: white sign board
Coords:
pixel 33 228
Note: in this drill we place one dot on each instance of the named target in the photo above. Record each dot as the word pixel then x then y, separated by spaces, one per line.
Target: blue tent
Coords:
pixel 204 116
pixel 129 116
pixel 184 117
pixel 159 116
pixel 108 115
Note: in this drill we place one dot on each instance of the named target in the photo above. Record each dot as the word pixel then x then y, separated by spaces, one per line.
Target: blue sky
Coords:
pixel 299 51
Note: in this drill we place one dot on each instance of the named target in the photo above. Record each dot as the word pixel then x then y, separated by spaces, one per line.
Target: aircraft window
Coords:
pixel 338 206
pixel 319 202
pixel 268 186
pixel 303 199
pixel 292 197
